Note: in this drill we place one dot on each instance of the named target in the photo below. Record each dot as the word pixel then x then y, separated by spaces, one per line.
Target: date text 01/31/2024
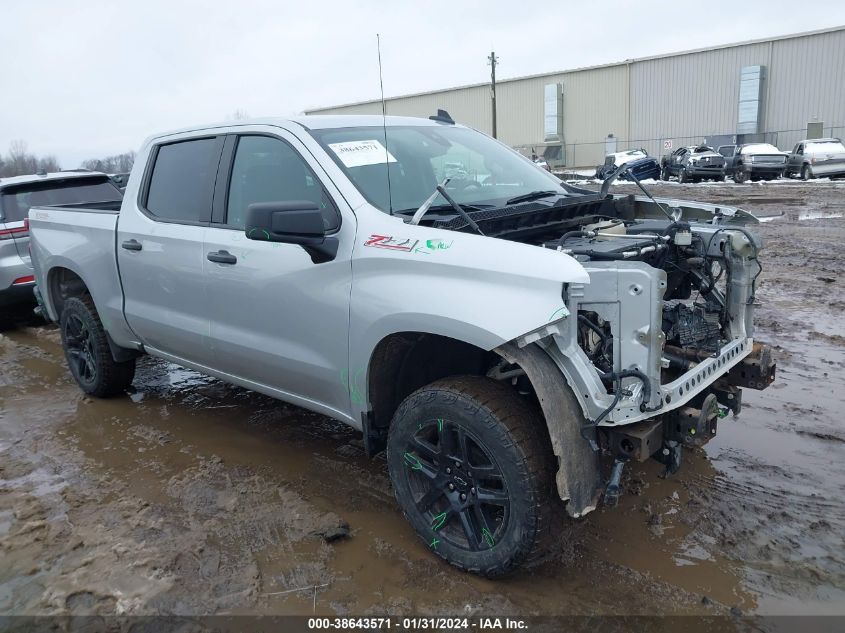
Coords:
pixel 417 624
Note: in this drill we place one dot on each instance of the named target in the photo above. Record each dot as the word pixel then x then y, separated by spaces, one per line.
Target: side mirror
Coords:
pixel 295 222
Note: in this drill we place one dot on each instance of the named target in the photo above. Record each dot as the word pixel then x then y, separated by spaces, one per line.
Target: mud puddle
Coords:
pixel 193 497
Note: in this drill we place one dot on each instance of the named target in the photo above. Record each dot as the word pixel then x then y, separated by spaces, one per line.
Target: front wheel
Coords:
pixel 87 351
pixel 740 176
pixel 682 176
pixel 807 173
pixel 473 471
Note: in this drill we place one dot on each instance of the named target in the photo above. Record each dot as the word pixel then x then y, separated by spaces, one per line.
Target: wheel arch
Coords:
pixel 63 283
pixel 403 362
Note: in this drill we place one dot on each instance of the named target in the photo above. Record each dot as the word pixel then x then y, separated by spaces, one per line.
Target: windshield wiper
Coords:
pixel 441 190
pixel 534 195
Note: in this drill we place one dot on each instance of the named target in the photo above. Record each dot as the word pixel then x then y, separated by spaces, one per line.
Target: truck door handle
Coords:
pixel 132 245
pixel 222 257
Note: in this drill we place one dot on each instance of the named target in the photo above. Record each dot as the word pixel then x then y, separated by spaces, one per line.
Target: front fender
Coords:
pixel 479 290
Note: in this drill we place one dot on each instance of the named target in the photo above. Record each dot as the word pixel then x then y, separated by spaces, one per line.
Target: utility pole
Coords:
pixel 493 60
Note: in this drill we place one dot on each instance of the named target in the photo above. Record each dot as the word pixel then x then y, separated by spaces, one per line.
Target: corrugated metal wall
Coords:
pixel 688 97
pixel 685 98
pixel 806 83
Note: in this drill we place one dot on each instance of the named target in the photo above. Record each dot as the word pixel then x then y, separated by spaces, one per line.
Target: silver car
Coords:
pixel 817 158
pixel 17 195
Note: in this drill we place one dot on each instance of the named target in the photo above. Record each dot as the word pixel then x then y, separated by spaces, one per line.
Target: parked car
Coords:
pixel 492 339
pixel 613 162
pixel 541 163
pixel 693 164
pixel 17 195
pixel 817 158
pixel 754 161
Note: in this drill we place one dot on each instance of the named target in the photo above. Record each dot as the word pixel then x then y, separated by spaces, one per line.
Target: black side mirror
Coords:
pixel 296 222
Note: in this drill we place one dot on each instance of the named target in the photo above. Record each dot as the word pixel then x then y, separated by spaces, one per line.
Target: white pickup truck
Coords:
pixel 498 333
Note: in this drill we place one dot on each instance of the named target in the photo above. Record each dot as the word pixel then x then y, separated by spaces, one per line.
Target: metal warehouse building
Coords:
pixel 778 90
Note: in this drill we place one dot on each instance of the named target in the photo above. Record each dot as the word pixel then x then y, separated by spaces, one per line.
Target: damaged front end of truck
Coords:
pixel 656 347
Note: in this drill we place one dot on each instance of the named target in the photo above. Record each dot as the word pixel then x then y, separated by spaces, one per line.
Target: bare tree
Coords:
pixel 238 115
pixel 117 164
pixel 17 149
pixel 19 161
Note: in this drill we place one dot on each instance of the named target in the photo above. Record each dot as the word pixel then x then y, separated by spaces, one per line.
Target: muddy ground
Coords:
pixel 190 496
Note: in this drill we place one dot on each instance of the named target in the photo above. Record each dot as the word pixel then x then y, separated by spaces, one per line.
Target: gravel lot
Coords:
pixel 190 496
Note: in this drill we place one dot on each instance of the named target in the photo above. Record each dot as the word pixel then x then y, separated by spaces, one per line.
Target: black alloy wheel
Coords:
pixel 89 356
pixel 79 349
pixel 473 470
pixel 457 485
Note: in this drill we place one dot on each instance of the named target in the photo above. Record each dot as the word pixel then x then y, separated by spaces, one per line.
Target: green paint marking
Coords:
pixel 254 229
pixel 438 245
pixel 560 313
pixel 412 461
pixel 487 537
pixel 350 381
pixel 438 521
pixel 434 543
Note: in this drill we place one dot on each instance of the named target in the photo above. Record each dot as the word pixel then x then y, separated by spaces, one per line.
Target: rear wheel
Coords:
pixel 87 351
pixel 473 474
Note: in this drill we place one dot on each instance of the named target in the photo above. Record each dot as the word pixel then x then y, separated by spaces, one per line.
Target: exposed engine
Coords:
pixel 696 320
pixel 665 322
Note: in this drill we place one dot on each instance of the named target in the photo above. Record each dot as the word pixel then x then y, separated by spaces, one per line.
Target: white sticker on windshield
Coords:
pixel 358 153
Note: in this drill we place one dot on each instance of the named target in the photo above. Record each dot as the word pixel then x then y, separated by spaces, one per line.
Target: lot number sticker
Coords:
pixel 358 153
pixel 667 144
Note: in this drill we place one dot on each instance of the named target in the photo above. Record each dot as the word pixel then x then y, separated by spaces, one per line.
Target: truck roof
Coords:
pixel 55 175
pixel 313 122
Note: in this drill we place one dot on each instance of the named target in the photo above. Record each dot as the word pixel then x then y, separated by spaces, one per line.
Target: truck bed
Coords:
pixel 81 238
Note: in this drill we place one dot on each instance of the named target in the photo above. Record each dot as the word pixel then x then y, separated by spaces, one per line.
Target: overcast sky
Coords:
pixel 89 79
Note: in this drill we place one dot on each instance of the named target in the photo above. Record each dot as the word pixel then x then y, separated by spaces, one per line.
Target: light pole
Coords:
pixel 493 60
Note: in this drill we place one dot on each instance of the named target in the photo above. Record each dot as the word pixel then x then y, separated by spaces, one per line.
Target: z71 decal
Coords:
pixel 407 245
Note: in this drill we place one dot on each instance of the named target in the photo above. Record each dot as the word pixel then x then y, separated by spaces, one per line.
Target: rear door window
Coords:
pixel 181 185
pixel 15 201
pixel 267 169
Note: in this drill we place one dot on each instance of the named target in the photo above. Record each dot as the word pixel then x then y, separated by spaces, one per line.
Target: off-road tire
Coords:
pixel 90 361
pixel 495 419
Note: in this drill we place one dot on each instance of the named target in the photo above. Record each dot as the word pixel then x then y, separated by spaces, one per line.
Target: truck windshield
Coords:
pixel 16 200
pixel 482 171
